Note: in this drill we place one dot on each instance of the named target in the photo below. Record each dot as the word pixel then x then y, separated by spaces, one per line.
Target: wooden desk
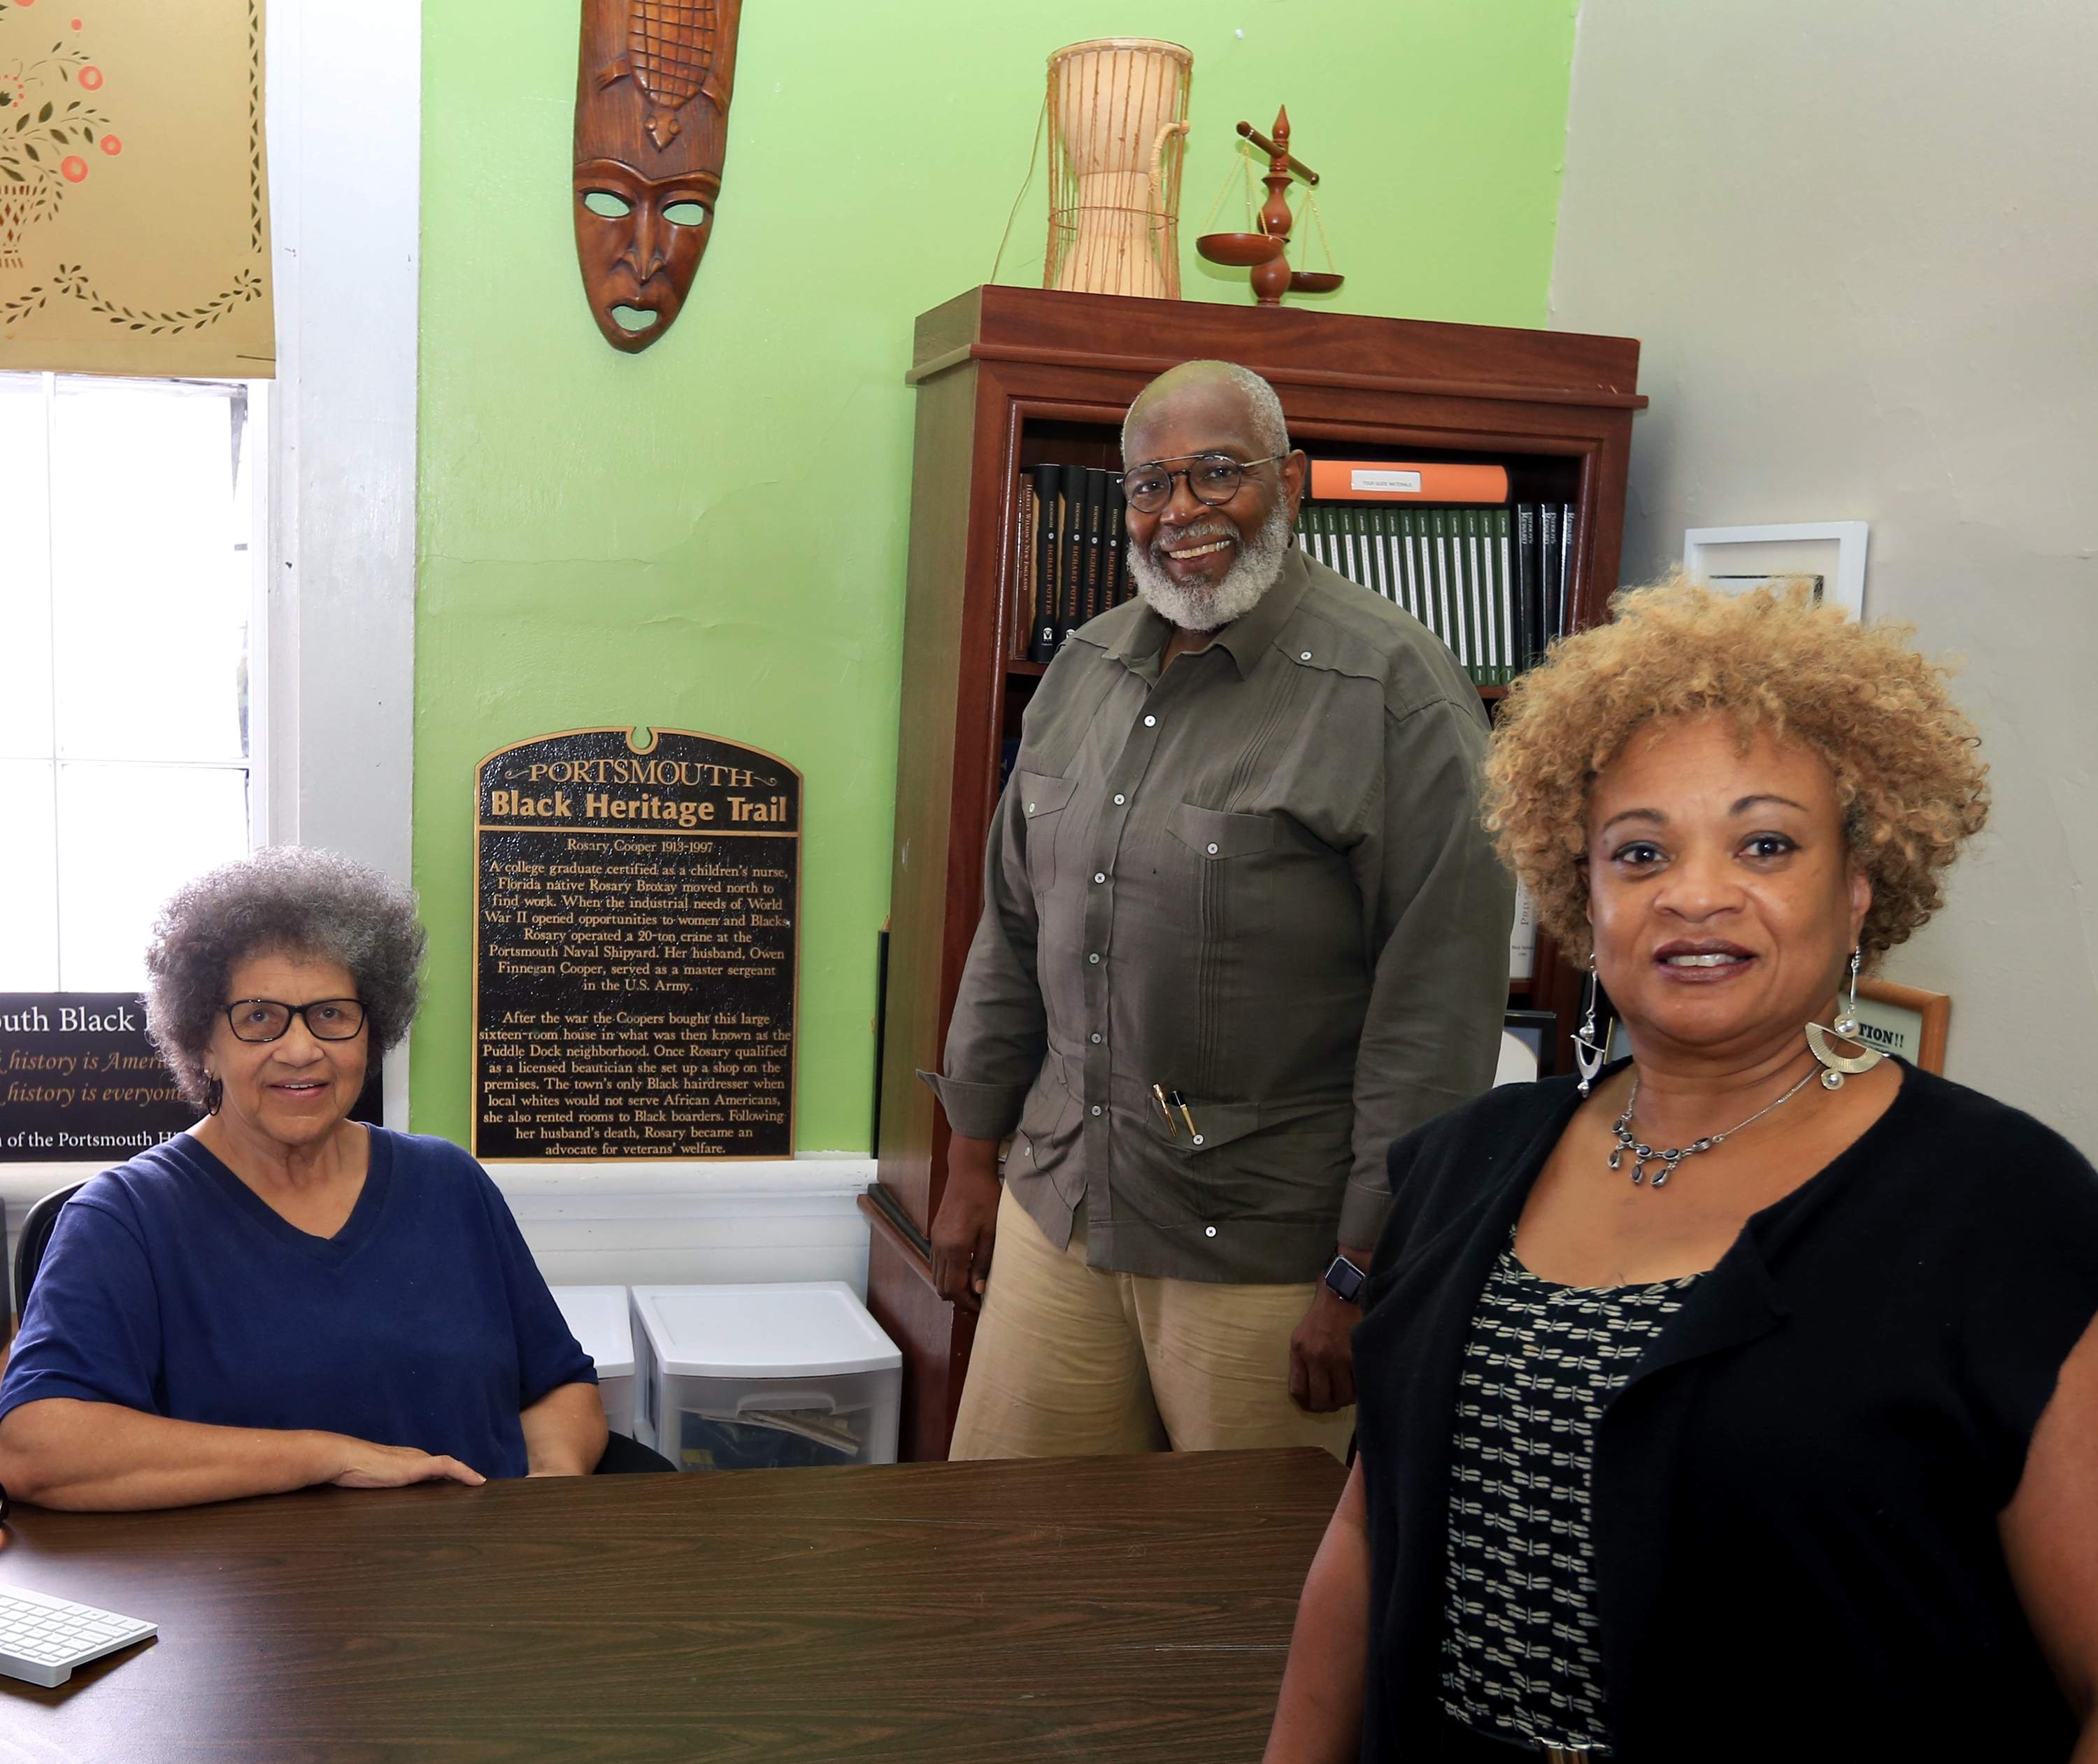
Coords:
pixel 1088 1608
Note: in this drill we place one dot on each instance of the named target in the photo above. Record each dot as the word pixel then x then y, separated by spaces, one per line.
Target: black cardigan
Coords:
pixel 1795 1496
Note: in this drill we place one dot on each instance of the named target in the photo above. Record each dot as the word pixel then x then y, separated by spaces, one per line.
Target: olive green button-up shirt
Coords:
pixel 1257 879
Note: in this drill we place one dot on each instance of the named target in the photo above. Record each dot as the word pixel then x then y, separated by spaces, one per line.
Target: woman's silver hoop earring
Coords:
pixel 214 1094
pixel 1590 1055
pixel 1837 1067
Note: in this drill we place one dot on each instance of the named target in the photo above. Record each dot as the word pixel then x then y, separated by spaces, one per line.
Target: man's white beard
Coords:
pixel 1255 571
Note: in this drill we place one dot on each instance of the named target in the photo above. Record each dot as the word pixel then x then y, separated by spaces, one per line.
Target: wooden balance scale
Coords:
pixel 1266 254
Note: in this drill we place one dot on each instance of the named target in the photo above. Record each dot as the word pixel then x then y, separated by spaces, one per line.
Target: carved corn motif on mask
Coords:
pixel 653 91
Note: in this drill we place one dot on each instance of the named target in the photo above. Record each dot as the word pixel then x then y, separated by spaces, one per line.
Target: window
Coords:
pixel 130 520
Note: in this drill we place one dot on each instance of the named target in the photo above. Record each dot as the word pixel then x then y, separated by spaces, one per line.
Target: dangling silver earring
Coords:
pixel 1847 1025
pixel 1835 1066
pixel 1590 1054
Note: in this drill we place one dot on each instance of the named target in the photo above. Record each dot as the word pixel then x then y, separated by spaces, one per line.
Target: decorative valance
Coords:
pixel 134 194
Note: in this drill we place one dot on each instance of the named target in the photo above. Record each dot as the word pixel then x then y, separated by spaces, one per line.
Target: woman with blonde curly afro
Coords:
pixel 1738 1399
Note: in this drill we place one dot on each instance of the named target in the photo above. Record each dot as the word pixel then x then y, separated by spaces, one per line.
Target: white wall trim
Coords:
pixel 631 1187
pixel 345 95
pixel 719 1179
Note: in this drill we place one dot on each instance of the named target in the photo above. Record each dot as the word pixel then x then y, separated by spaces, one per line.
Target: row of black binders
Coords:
pixel 1070 524
pixel 1493 582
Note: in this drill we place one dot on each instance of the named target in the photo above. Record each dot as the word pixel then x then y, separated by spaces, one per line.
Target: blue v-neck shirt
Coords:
pixel 171 1287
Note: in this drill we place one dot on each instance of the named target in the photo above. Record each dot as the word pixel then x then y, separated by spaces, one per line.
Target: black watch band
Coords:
pixel 1345 1281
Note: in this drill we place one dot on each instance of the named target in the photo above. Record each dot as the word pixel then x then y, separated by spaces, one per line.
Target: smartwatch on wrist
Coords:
pixel 1345 1281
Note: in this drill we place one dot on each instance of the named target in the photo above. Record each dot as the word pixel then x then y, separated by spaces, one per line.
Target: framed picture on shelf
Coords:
pixel 1526 1046
pixel 1905 1020
pixel 1830 554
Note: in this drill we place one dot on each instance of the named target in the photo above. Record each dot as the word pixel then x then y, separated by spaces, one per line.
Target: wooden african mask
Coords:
pixel 652 88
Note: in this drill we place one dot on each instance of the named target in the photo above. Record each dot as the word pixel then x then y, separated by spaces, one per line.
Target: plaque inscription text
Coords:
pixel 635 940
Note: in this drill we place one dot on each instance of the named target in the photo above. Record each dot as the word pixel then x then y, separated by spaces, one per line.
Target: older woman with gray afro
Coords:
pixel 1737 1399
pixel 283 1296
pixel 283 897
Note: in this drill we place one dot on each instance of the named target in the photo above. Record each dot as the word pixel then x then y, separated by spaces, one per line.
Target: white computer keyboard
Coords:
pixel 43 1638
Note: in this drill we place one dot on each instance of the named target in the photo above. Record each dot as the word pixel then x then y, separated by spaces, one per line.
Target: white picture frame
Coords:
pixel 1738 558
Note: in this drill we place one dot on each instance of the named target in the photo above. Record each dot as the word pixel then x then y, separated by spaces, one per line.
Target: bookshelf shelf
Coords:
pixel 1011 377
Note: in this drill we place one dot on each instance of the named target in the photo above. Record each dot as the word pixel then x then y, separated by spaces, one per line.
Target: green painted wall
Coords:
pixel 711 535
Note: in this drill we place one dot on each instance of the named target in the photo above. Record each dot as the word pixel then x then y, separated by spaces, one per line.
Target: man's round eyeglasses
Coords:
pixel 1214 479
pixel 264 1019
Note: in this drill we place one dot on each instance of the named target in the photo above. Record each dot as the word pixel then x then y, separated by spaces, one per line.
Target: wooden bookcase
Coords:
pixel 1008 376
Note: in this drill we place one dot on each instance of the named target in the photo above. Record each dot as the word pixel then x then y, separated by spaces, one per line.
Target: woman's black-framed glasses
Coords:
pixel 264 1019
pixel 1214 479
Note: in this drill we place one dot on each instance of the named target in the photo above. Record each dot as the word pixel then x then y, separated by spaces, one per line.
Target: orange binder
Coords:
pixel 1377 481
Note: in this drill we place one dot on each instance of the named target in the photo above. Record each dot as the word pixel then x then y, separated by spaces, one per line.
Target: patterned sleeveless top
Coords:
pixel 1520 1651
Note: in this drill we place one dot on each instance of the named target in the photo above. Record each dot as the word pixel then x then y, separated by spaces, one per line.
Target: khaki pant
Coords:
pixel 1071 1361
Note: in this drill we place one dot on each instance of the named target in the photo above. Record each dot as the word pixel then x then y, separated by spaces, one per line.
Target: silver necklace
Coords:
pixel 1645 1155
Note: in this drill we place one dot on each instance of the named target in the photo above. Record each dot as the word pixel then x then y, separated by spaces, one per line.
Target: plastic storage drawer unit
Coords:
pixel 601 1317
pixel 764 1377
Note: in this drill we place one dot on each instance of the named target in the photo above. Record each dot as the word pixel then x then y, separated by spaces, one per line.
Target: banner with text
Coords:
pixel 79 1079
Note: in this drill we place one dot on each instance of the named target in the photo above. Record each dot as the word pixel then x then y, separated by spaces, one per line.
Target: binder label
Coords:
pixel 1391 483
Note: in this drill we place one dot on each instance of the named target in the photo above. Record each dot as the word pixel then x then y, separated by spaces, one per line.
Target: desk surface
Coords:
pixel 1079 1608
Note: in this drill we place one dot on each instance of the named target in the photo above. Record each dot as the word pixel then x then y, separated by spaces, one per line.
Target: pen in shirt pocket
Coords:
pixel 1168 1100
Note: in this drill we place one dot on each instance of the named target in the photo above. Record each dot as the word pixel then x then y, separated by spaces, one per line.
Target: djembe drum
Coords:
pixel 1118 123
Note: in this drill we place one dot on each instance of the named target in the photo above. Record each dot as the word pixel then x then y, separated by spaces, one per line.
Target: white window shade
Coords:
pixel 149 536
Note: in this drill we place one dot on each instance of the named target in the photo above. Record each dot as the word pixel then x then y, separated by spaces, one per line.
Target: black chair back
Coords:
pixel 35 1238
pixel 625 1457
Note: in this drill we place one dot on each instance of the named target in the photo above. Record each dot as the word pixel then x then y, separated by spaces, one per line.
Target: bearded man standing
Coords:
pixel 1241 930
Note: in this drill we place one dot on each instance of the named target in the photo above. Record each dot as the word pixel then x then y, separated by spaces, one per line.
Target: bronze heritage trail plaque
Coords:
pixel 636 916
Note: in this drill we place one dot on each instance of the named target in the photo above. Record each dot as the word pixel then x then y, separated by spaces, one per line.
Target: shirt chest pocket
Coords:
pixel 1043 801
pixel 1213 835
pixel 1222 872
